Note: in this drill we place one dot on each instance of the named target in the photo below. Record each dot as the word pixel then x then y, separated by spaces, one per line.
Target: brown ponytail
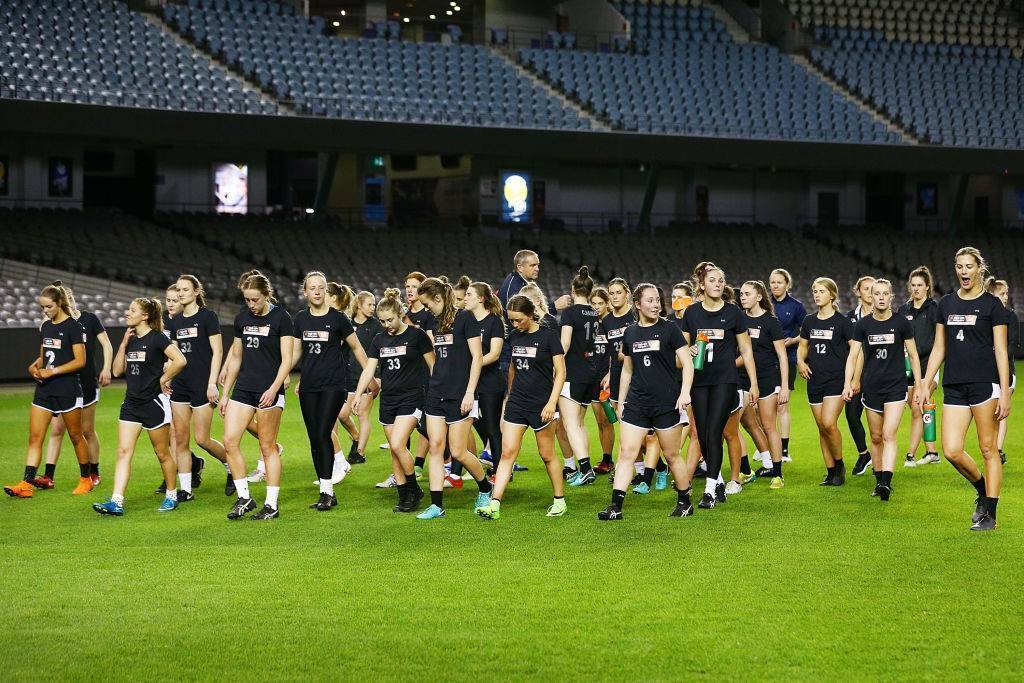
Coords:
pixel 58 294
pixel 196 285
pixel 154 311
pixel 261 284
pixel 762 291
pixel 440 287
pixel 583 284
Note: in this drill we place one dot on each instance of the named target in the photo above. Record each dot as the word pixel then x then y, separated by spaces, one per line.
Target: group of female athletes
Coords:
pixel 451 357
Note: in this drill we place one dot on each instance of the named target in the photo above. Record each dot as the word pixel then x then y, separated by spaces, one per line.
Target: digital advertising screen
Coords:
pixel 231 187
pixel 516 197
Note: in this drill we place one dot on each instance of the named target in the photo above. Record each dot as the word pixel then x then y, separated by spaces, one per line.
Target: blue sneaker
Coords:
pixel 108 507
pixel 432 512
pixel 520 468
pixel 583 478
pixel 482 500
pixel 661 481
pixel 168 505
pixel 642 489
pixel 485 455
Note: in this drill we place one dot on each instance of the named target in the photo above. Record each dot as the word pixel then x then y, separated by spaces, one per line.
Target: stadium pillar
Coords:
pixel 323 189
pixel 958 203
pixel 649 193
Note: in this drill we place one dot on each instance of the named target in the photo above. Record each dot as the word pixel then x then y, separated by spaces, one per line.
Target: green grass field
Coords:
pixel 802 583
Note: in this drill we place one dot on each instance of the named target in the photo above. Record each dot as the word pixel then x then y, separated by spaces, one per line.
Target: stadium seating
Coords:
pixel 367 79
pixel 689 77
pixel 98 52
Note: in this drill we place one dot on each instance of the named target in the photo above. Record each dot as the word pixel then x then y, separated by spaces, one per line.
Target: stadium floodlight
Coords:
pixel 335 23
pixel 448 12
pixel 433 16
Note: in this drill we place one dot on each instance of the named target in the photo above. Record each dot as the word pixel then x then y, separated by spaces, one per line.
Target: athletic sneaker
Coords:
pixel 22 489
pixel 733 487
pixel 604 467
pixel 257 475
pixel 777 483
pixel 384 446
pixel 930 459
pixel 388 483
pixel 109 507
pixel 516 467
pixel 884 492
pixel 863 462
pixel 909 461
pixel 356 458
pixel 986 523
pixel 241 508
pixel 161 489
pixel 490 511
pixel 324 503
pixel 340 471
pixel 979 510
pixel 482 499
pixel 829 480
pixel 707 501
pixel 720 493
pixel 1002 459
pixel 641 489
pixel 96 479
pixel 229 485
pixel 682 510
pixel 568 473
pixel 748 478
pixel 786 457
pixel 874 492
pixel 197 471
pixel 410 502
pixel 84 486
pixel 168 505
pixel 452 481
pixel 839 478
pixel 265 513
pixel 583 478
pixel 557 508
pixel 432 512
pixel 661 481
pixel 610 514
pixel 185 496
pixel 763 473
pixel 485 456
pixel 43 482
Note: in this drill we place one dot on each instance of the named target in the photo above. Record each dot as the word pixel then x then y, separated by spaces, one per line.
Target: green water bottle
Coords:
pixel 906 364
pixel 609 409
pixel 928 417
pixel 702 345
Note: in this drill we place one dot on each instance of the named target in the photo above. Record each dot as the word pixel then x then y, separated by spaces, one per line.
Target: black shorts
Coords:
pixel 151 414
pixel 769 382
pixel 653 418
pixel 392 410
pixel 58 405
pixel 969 394
pixel 90 394
pixel 876 402
pixel 525 417
pixel 448 408
pixel 192 396
pixel 252 399
pixel 584 392
pixel 816 393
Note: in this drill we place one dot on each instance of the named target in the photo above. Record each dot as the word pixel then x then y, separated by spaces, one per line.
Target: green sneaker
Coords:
pixel 558 508
pixel 492 510
pixel 661 481
pixel 745 479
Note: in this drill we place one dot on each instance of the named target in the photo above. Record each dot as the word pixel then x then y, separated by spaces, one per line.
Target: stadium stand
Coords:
pixel 689 77
pixel 98 52
pixel 383 80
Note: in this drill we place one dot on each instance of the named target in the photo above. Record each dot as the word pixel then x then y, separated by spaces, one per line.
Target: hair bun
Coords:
pixel 57 283
pixel 584 271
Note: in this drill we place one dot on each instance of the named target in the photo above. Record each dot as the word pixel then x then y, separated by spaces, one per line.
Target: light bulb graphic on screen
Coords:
pixel 516 192
pixel 231 187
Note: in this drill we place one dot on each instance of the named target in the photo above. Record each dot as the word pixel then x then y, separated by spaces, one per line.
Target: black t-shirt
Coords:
pixel 583 320
pixel 764 331
pixel 93 329
pixel 144 365
pixel 261 347
pixel 532 358
pixel 403 371
pixel 57 341
pixel 923 321
pixel 614 328
pixel 192 335
pixel 423 319
pixel 970 350
pixel 721 328
pixel 491 381
pixel 829 345
pixel 1012 338
pixel 656 380
pixel 550 322
pixel 167 324
pixel 602 351
pixel 365 332
pixel 452 358
pixel 322 337
pixel 882 344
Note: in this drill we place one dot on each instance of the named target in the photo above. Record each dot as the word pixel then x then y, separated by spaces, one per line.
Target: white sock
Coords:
pixel 185 482
pixel 765 457
pixel 242 487
pixel 638 466
pixel 570 462
pixel 709 485
pixel 172 494
pixel 117 498
pixel 340 457
pixel 261 467
pixel 720 480
pixel 326 487
pixel 272 492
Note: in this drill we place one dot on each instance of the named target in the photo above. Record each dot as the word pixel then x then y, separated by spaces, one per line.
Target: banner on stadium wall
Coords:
pixel 231 187
pixel 516 197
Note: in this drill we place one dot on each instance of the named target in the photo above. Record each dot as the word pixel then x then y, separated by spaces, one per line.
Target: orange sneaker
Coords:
pixel 22 489
pixel 85 485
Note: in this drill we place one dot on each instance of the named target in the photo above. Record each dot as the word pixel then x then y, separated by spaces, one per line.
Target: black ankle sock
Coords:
pixel 840 466
pixel 418 463
pixel 648 475
pixel 785 445
pixel 683 496
pixel 745 465
pixel 661 466
pixel 979 486
pixel 411 483
pixel 606 458
pixel 437 498
pixel 83 470
pixel 618 498
pixel 777 469
pixel 584 464
pixel 878 477
pixel 30 473
pixel 484 485
pixel 195 460
pixel 831 471
pixel 403 490
pixel 456 468
pixel 94 468
pixel 885 478
pixel 990 506
pixel 51 468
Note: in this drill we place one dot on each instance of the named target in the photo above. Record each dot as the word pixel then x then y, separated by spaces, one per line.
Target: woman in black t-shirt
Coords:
pixel 922 311
pixel 882 338
pixel 143 359
pixel 486 309
pixel 1000 289
pixel 579 326
pixel 600 299
pixel 259 363
pixel 364 320
pixel 536 374
pixel 971 339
